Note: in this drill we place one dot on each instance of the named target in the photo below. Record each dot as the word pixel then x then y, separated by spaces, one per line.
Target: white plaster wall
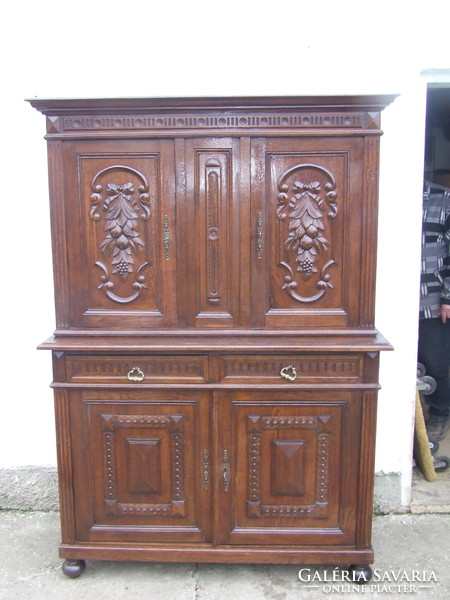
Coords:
pixel 100 49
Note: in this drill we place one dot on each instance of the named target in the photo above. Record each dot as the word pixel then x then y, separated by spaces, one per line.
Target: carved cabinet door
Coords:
pixel 309 217
pixel 209 233
pixel 289 461
pixel 119 223
pixel 140 465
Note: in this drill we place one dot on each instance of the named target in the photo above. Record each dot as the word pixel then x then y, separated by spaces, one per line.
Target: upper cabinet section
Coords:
pixel 214 213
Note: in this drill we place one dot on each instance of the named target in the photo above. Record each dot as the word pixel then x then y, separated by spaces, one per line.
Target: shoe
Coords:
pixel 437 427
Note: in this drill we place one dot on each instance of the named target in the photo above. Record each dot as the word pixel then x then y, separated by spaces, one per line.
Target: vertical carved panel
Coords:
pixel 306 203
pixel 212 180
pixel 109 462
pixel 213 223
pixel 177 471
pixel 323 447
pixel 254 463
pixel 121 205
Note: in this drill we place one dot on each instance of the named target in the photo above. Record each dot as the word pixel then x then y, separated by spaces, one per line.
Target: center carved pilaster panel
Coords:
pixel 217 238
pixel 214 206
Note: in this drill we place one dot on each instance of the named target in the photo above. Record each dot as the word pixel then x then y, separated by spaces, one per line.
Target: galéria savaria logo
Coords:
pixel 341 581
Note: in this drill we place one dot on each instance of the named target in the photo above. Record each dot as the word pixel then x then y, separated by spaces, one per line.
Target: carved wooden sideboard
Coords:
pixel 215 357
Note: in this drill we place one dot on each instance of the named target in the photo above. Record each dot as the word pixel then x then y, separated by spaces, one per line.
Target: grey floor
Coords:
pixel 432 497
pixel 406 546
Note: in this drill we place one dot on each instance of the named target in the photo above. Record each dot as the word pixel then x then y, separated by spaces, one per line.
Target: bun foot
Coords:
pixel 360 575
pixel 73 568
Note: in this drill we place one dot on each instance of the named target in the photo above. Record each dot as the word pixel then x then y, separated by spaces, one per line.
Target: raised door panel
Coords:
pixel 290 464
pixel 138 466
pixel 209 235
pixel 121 250
pixel 307 207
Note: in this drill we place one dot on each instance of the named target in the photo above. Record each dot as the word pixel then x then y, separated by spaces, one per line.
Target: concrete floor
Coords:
pixel 406 547
pixel 432 497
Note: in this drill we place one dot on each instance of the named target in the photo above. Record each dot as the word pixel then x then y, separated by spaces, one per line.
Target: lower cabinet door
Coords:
pixel 140 462
pixel 290 465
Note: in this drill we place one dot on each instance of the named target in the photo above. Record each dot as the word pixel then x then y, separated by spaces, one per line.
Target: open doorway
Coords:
pixel 437 134
pixel 435 496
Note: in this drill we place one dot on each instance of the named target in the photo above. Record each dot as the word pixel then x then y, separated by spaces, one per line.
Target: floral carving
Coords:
pixel 306 226
pixel 306 205
pixel 122 242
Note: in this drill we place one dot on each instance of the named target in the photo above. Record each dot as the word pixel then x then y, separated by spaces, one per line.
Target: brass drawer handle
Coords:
pixel 289 373
pixel 136 374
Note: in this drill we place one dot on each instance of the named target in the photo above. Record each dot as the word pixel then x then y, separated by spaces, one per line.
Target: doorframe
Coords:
pixel 430 78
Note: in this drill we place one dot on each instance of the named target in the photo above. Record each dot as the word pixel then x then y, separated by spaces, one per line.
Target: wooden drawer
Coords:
pixel 304 368
pixel 136 369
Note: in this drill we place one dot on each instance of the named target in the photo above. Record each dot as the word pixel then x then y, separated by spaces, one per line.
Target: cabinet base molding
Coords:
pixel 218 554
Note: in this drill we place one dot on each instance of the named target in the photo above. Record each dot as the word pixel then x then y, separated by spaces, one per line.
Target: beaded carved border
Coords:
pixel 174 424
pixel 256 425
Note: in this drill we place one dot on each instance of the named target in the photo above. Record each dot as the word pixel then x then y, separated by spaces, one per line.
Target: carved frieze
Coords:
pixel 206 120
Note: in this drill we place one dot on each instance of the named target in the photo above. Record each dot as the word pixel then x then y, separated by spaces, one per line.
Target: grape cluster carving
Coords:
pixel 306 206
pixel 122 239
pixel 303 208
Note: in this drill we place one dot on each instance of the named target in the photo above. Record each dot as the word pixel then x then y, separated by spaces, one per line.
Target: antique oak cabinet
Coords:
pixel 215 356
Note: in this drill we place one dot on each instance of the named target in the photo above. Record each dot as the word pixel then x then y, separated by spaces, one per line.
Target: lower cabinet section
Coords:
pixel 216 474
